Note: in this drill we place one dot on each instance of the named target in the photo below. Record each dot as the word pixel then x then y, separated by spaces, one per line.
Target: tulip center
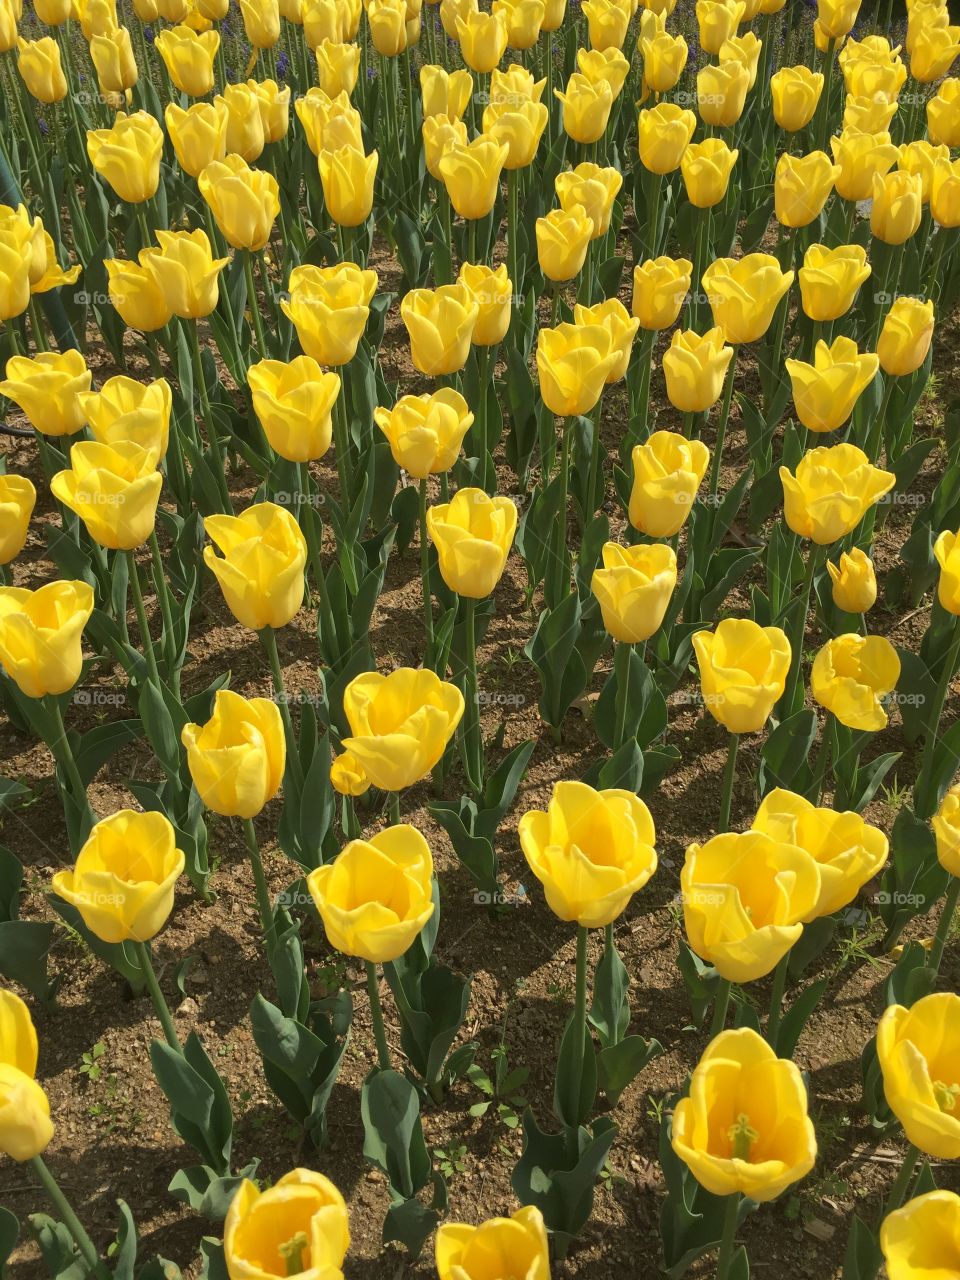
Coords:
pixel 291 1251
pixel 742 1137
pixel 947 1095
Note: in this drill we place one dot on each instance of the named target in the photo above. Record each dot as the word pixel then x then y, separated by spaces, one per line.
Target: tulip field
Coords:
pixel 479 622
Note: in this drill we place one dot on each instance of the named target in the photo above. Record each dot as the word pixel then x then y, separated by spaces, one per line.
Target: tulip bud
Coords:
pixel 562 241
pixel 694 367
pixel 744 294
pixel 47 388
pixel 347 776
pixel 946 549
pixel 718 21
pixel 348 176
pixel 706 168
pixel 664 133
pixel 113 58
pixel 905 337
pixel 17 500
pixel 261 22
pixel 294 403
pixel 338 67
pixel 519 128
pixel 573 363
pixel 854 581
pixel 236 759
pixel 722 92
pixel 795 93
pixel 861 157
pixel 187 273
pixel 832 490
pixel 38 62
pixel 483 39
pixel 244 201
pixel 664 58
pixel 586 107
pixel 943 114
pixel 114 489
pixel 634 589
pixel 829 279
pixel 25 1125
pixel 946 828
pixel 660 286
pixel 124 411
pixel 127 155
pixel 802 186
pixel 604 65
pixel 246 137
pixel 825 393
pixel 440 323
pixel 492 291
pixel 743 672
pixel 594 188
pixel 136 295
pixel 473 535
pixel 621 327
pixel 897 206
pixel 189 58
pixel 471 175
pixel 607 22
pixel 667 471
pixel 425 432
pixel 198 134
pixel 445 93
pixel 261 569
pixel 329 307
pixel 40 635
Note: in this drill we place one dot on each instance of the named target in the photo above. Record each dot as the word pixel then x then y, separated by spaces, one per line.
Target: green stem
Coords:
pixel 943 928
pixel 728 1243
pixel 260 882
pixel 824 122
pixel 472 736
pixel 341 445
pixel 269 641
pixel 70 1220
pixel 776 1001
pixel 393 807
pixel 721 434
pixel 425 574
pixel 157 996
pixel 512 234
pixel 796 640
pixel 621 663
pixel 36 325
pixel 254 304
pixel 63 755
pixel 145 637
pixel 823 756
pixel 163 595
pixel 729 776
pixel 898 1192
pixel 720 1006
pixel 376 1014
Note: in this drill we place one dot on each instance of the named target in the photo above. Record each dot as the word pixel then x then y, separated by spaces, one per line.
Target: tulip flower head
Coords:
pixel 664 133
pixel 127 155
pixel 518 1244
pixel 294 402
pixel 400 724
pixel 851 675
pixel 425 432
pixel 825 393
pixel 922 1239
pixel 660 287
pixel 694 366
pixel 946 828
pixel 802 186
pixel 833 488
pixel 634 589
pixel 743 672
pixel 906 336
pixel 114 489
pixel 244 201
pixel 744 294
pixel 40 635
pixel 795 93
pixel 440 323
pixel 563 237
pixel 329 308
pixel 473 534
pixel 854 581
pixel 594 188
pixel 921 1071
pixel 17 500
pixel 573 363
pixel 586 107
pixel 706 167
pixel 300 1224
pixel 667 471
pixel 48 388
pixel 236 759
pixel 829 279
pixel 261 569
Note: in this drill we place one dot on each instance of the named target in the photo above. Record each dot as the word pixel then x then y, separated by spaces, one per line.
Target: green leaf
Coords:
pixel 9 1233
pixel 393 1134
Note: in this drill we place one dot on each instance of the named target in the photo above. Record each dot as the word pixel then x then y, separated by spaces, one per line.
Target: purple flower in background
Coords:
pixel 283 65
pixel 149 35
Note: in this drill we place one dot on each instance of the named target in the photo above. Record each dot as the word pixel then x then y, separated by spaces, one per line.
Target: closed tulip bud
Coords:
pixel 246 137
pixel 946 828
pixel 174 11
pixel 825 392
pixel 905 337
pixel 135 294
pixel 554 12
pixel 97 17
pixel 301 1215
pixel 660 286
pixel 868 115
pixel 114 489
pixel 694 366
pixel 261 569
pixel 236 759
pixel 348 177
pixel 520 1241
pixel 802 186
pixel 854 581
pixel 53 13
pixel 187 272
pixel 473 535
pixel 198 134
pixel 586 107
pixel 18 1037
pixel 244 201
pixel 25 1125
pixel 943 114
pixel 573 362
pixel 591 851
pixel 745 50
pixel 321 20
pixel 294 403
pixel 848 851
pixel 519 128
pixel 114 61
pixel 14 280
pixel 127 155
pixel 347 776
pixel 921 1072
pixel 325 118
pixel 634 589
pixel 718 21
pixel 440 323
pixel 515 85
pixel 664 58
pixel 40 635
pixel 621 327
pixel 667 471
pixel 795 93
pixel 868 79
pixel 607 22
pixel 17 500
pixel 934 53
pixel 524 20
pixel 946 549
pixel 329 308
pixel 594 188
pixel 425 432
pixel 450 10
pixel 124 878
pixel 47 388
pixel 945 193
pixel 832 490
pixel 725 1132
pixel 743 672
pixel 664 132
pixel 923 1238
pixel 124 411
pixel 274 104
pixel 189 58
pixel 38 62
pixel 388 30
pixel 897 206
pixel 850 676
pixel 492 291
pixel 483 39
pixel 744 294
pixel 745 897
pixel 722 92
pixel 146 10
pixel 837 17
pixel 471 175
pixel 441 134
pixel 563 237
pixel 604 64
pixel 400 724
pixel 9 17
pixel 338 66
pixel 861 157
pixel 922 158
pixel 706 167
pixel 445 93
pixel 261 22
pixel 829 279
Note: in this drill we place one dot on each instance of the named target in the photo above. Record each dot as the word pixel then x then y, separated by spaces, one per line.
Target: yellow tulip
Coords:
pixel 471 175
pixel 594 188
pixel 660 286
pixel 17 500
pixel 261 569
pixel 922 1240
pixel 328 121
pixel 905 337
pixel 244 201
pixel 14 281
pixel 322 20
pixel 425 432
pixel 591 851
pixel 745 897
pixel 123 881
pixel 294 403
pixel 744 294
pixel 338 66
pixel 664 132
pixel 388 30
pixel 53 13
pixel 113 58
pixel 867 78
pixel 519 128
pixel 348 176
pixel 861 157
pixel 127 411
pixel 40 635
pixel 483 39
pixel 562 241
pixel 518 1242
pixel 198 134
pixel 440 323
pixel 621 327
pixel 492 291
pixel 347 776
pixel 246 137
pixel 47 388
pixel 400 724
pixel 189 58
pixel 921 1071
pixel 135 294
pixel 802 186
pixel 850 676
pixel 236 759
pixel 18 1037
pixel 829 279
pixel 473 535
pixel 114 489
pixel 743 672
pixel 946 549
pixel 445 93
pixel 50 276
pixel 718 21
pixel 694 366
pixel 441 134
pixel 795 93
pixel 329 307
pixel 825 392
pixel 836 17
pixel 832 490
pixel 897 206
pixel 604 64
pixel 744 49
pixel 706 167
pixel 607 22
pixel 22 237
pixel 634 589
pixel 524 19
pixel 945 193
pixel 922 158
pixel 301 1217
pixel 854 581
pixel 274 104
pixel 187 272
pixel 573 363
pixel 586 107
pixel 934 53
pixel 946 828
pixel 744 1126
pixel 25 1125
pixel 261 22
pixel 667 471
pixel 127 155
pixel 664 58
pixel 943 114
pixel 38 62
pixel 868 115
pixel 722 92
pixel 513 86
pixel 848 851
